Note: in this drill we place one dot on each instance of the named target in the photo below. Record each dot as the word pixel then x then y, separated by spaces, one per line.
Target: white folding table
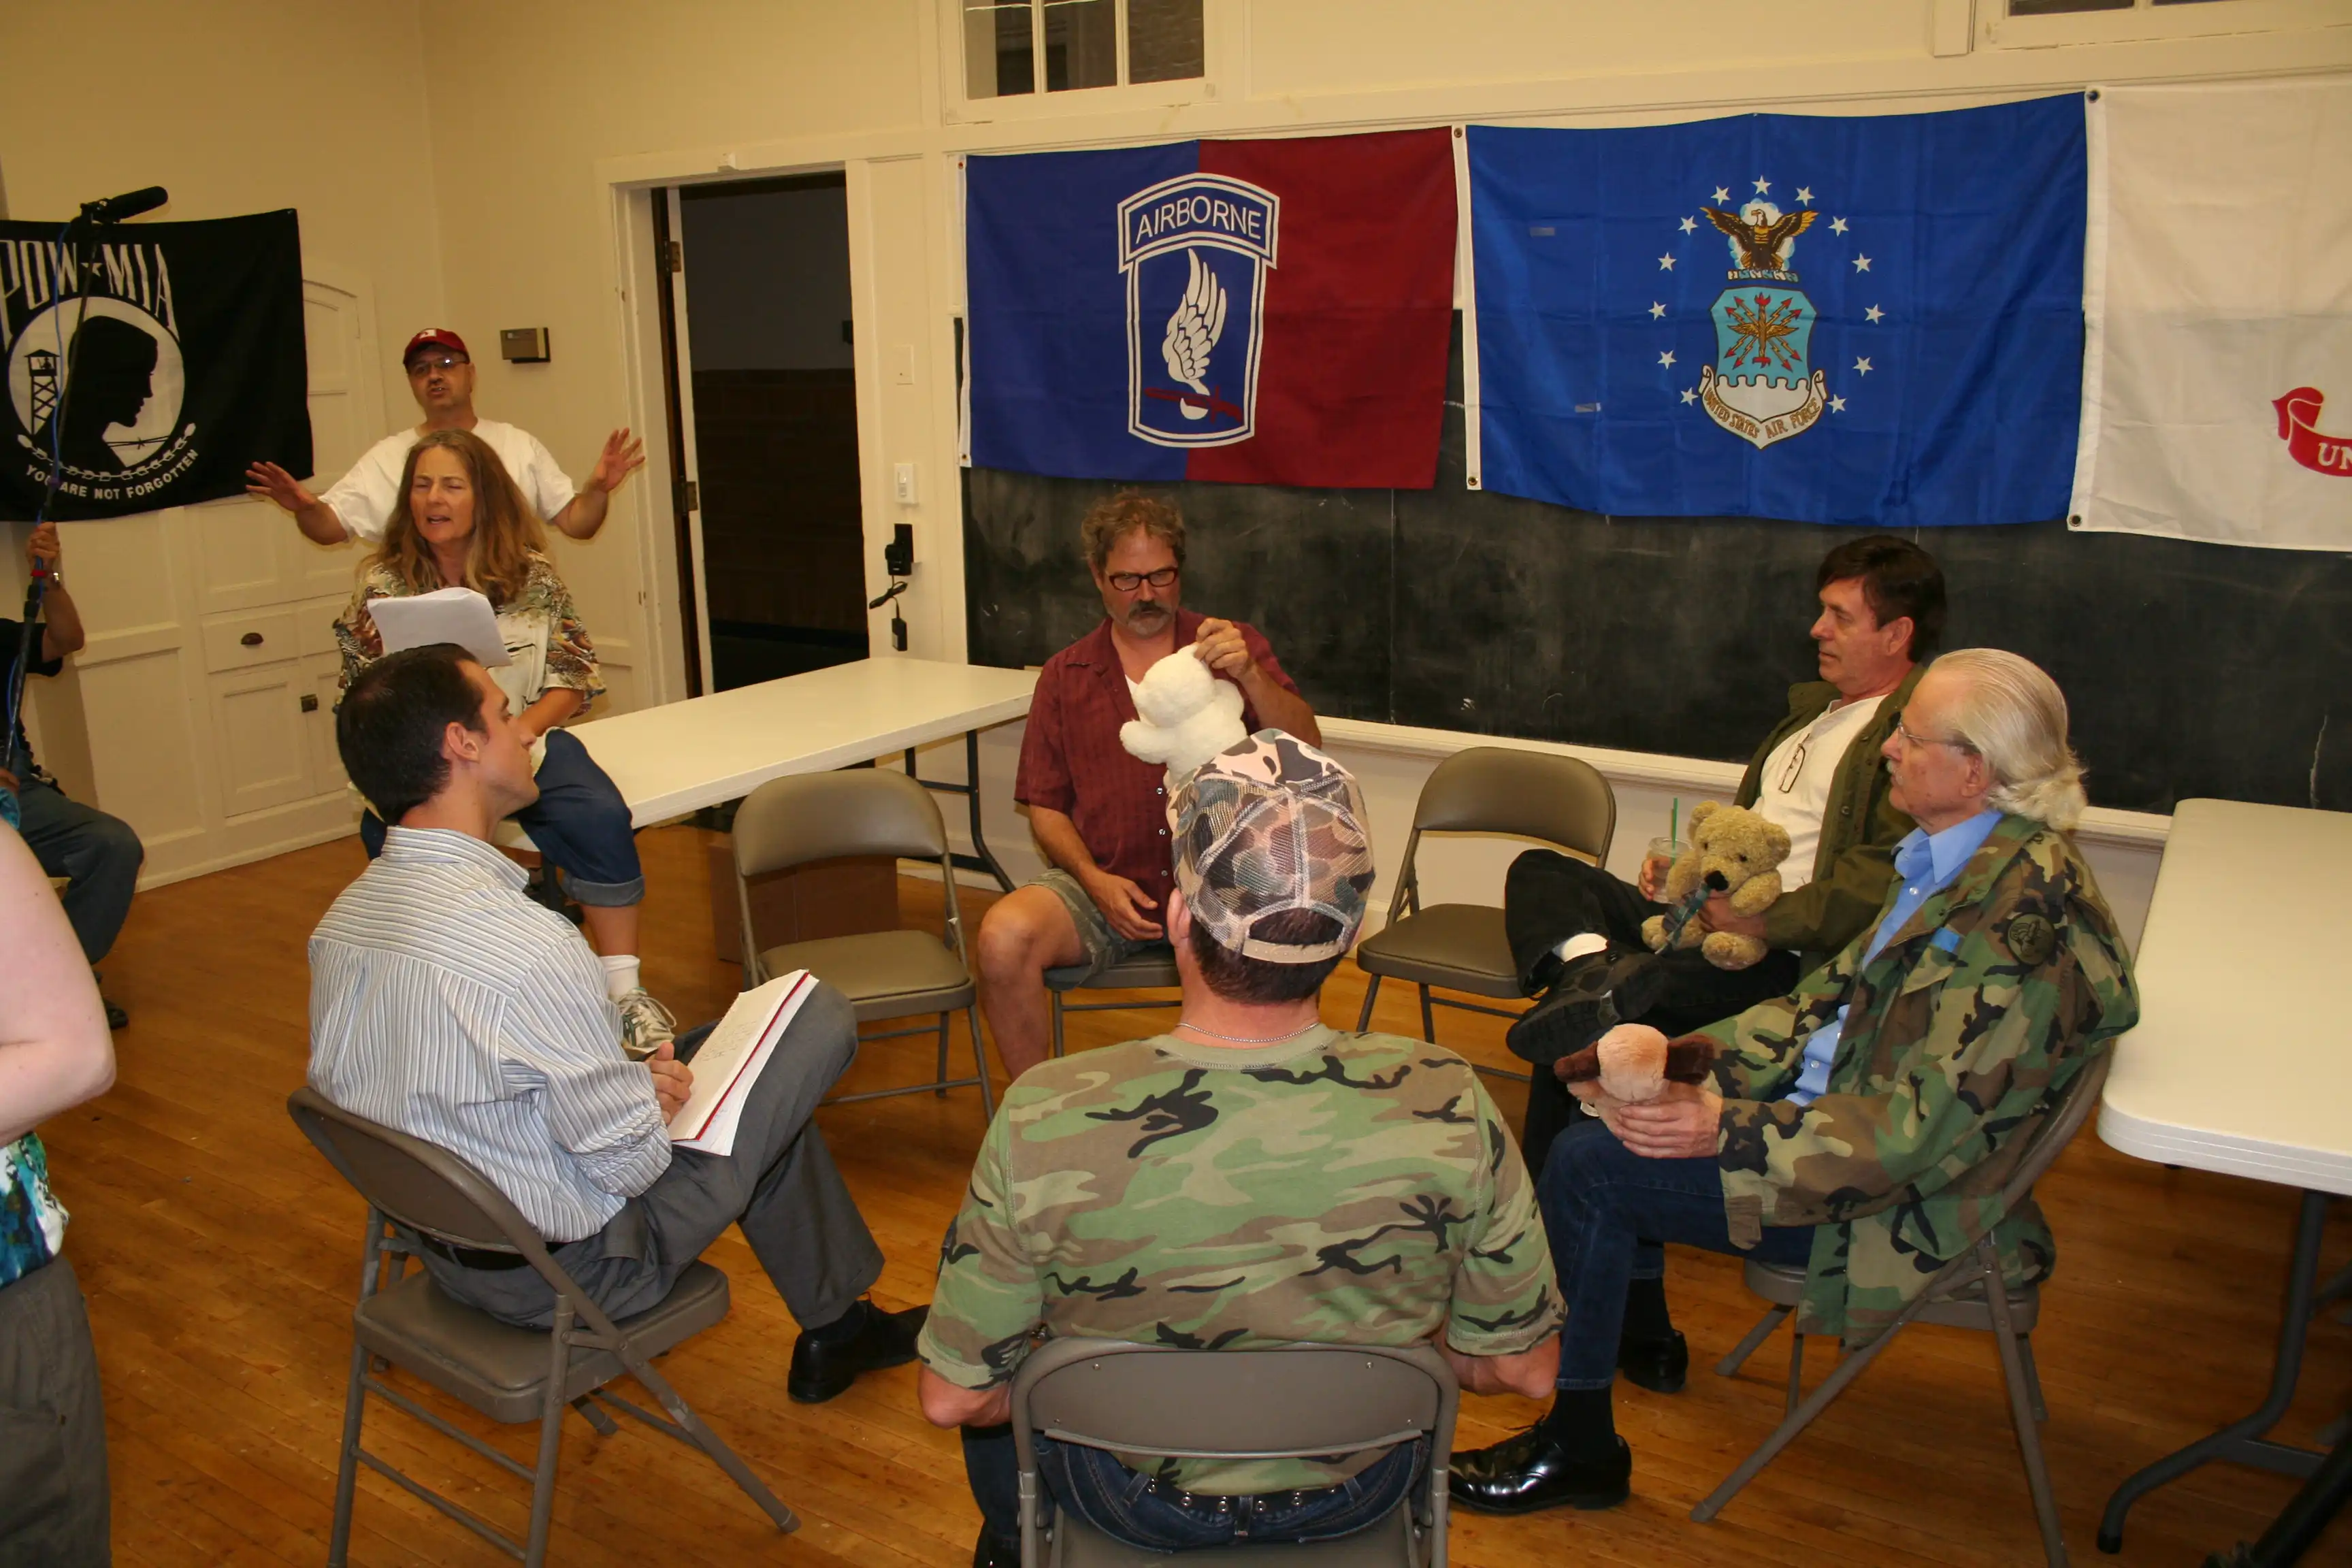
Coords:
pixel 2240 969
pixel 682 756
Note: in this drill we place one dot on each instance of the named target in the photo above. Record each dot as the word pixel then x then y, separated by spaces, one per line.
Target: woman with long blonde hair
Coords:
pixel 463 523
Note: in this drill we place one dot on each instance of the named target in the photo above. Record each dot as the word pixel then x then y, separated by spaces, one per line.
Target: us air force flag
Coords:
pixel 1265 312
pixel 186 363
pixel 1869 321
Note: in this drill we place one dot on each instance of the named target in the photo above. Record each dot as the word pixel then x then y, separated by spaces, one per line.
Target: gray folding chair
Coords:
pixel 1562 801
pixel 804 817
pixel 1968 1293
pixel 1290 1401
pixel 1152 969
pixel 512 1376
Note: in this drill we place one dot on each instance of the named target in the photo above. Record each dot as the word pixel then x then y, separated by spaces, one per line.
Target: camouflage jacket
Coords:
pixel 1344 1189
pixel 1969 1023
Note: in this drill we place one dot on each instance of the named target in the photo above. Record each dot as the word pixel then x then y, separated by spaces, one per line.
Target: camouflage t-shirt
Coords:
pixel 1343 1189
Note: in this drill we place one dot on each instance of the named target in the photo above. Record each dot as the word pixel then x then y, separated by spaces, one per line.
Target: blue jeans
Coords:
pixel 1131 1507
pixel 1610 1213
pixel 579 822
pixel 98 855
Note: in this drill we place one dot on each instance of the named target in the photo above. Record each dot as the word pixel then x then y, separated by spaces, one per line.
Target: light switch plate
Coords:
pixel 902 479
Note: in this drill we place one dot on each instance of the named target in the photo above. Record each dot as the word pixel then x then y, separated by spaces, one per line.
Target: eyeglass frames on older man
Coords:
pixel 1128 582
pixel 1913 737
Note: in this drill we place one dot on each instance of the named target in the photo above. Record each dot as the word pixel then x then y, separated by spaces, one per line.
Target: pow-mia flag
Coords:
pixel 187 362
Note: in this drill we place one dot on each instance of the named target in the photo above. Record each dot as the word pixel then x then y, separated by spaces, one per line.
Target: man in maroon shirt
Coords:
pixel 1099 815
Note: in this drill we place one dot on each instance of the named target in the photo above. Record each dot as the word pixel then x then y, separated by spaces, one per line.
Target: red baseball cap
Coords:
pixel 435 338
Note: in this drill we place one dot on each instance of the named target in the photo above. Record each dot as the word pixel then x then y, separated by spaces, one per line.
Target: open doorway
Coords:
pixel 765 370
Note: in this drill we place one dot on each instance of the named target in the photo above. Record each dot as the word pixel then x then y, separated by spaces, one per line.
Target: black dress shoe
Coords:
pixel 1578 1009
pixel 116 1018
pixel 822 1369
pixel 1659 1366
pixel 991 1552
pixel 1528 1472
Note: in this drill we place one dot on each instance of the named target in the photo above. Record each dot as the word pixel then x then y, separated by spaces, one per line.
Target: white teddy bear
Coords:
pixel 1188 715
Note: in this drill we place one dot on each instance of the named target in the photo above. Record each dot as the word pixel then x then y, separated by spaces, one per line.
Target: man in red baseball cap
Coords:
pixel 441 375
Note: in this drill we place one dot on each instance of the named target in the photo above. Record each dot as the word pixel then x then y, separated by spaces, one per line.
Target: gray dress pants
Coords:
pixel 779 1184
pixel 53 1492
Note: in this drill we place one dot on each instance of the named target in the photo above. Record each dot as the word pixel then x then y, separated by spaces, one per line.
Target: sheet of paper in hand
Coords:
pixel 461 615
pixel 731 1059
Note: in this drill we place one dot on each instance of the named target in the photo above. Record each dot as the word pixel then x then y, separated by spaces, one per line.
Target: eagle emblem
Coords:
pixel 1197 250
pixel 1759 234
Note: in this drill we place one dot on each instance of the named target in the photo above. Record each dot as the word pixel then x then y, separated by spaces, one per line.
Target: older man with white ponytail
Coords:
pixel 1862 1124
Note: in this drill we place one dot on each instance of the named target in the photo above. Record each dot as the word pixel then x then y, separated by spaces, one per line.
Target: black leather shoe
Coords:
pixel 1659 1366
pixel 991 1552
pixel 1528 1472
pixel 820 1370
pixel 1574 1013
pixel 116 1018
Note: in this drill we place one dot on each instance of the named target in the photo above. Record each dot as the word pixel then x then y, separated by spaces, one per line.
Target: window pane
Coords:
pixel 1163 40
pixel 2053 7
pixel 2184 1
pixel 1081 44
pixel 997 60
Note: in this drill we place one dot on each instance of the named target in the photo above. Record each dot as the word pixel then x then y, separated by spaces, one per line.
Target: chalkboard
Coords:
pixel 2190 669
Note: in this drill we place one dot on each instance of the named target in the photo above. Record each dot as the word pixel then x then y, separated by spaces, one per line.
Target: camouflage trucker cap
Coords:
pixel 1267 825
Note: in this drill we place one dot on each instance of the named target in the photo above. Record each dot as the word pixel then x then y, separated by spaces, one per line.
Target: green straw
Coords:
pixel 1675 822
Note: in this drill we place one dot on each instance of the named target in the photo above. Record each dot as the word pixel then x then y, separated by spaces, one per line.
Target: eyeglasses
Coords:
pixel 1790 774
pixel 426 365
pixel 1128 582
pixel 1912 737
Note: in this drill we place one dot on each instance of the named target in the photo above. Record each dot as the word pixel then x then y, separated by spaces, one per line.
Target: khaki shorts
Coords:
pixel 1105 947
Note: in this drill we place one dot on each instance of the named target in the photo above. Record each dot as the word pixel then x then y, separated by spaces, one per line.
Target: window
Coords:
pixel 1016 46
pixel 2040 23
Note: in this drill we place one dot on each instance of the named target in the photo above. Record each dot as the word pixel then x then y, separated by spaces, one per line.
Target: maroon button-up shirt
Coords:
pixel 1071 761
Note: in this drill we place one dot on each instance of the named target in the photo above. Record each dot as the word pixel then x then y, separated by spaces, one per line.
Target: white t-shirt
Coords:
pixel 364 496
pixel 1798 808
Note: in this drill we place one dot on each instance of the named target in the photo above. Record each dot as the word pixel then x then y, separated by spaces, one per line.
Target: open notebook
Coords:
pixel 731 1059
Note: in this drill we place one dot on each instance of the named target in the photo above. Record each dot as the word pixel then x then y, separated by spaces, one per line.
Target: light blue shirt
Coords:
pixel 1926 863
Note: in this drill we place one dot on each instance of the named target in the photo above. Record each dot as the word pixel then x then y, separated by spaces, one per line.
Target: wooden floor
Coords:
pixel 222 1256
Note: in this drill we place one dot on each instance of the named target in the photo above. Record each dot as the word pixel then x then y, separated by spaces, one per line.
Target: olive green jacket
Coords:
pixel 1855 868
pixel 1960 1035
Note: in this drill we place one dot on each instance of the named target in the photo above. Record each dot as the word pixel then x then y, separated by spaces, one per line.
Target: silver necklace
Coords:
pixel 1247 1039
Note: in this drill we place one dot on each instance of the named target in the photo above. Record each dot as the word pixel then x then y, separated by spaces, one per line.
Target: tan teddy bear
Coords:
pixel 1732 850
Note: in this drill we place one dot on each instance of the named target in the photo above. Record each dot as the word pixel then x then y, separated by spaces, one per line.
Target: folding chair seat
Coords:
pixel 1152 969
pixel 511 1374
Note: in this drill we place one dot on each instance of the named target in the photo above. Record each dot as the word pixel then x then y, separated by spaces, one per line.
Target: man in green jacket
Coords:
pixel 1576 930
pixel 1865 1124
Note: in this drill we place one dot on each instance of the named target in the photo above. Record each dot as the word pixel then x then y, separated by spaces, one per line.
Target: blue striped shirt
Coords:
pixel 446 1003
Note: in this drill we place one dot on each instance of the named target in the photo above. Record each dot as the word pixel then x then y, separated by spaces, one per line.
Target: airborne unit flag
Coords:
pixel 1261 312
pixel 1874 320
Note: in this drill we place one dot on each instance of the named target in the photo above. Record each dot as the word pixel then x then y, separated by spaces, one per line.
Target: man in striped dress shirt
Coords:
pixel 447 1004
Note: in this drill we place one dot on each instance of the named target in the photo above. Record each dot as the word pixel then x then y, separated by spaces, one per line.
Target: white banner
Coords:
pixel 2217 291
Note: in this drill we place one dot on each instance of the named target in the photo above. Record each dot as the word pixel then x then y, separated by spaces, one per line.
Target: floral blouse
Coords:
pixel 539 626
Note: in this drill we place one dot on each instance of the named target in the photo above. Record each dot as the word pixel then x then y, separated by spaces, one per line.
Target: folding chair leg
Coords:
pixel 605 1425
pixel 1371 994
pixel 1428 1018
pixel 710 1442
pixel 1729 1365
pixel 347 1468
pixel 1058 1023
pixel 551 1436
pixel 942 1091
pixel 1796 1374
pixel 2021 1413
pixel 980 1065
pixel 2032 1377
pixel 1786 1433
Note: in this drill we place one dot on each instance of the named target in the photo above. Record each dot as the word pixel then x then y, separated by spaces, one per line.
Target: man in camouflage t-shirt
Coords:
pixel 1251 1178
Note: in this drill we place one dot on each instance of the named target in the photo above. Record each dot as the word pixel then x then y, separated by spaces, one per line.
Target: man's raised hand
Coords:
pixel 1221 647
pixel 267 481
pixel 623 456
